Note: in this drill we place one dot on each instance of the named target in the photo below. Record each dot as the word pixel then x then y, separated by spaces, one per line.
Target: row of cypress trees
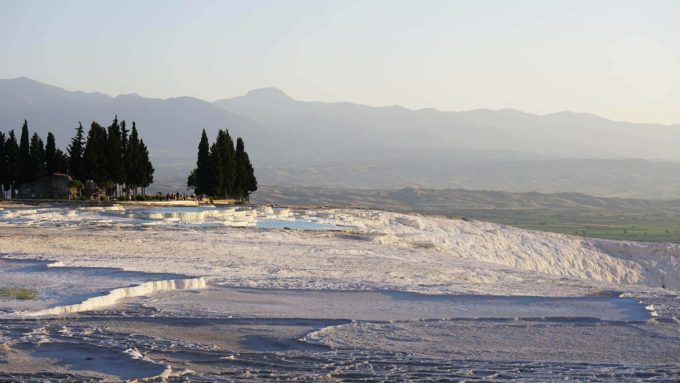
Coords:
pixel 28 159
pixel 222 171
pixel 110 157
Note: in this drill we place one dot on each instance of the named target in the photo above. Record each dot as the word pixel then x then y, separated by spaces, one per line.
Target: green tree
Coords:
pixel 75 154
pixel 124 136
pixel 124 133
pixel 94 155
pixel 138 168
pixel 79 186
pixel 115 156
pixel 60 162
pixel 146 169
pixel 37 150
pixel 223 157
pixel 191 179
pixel 229 165
pixel 24 164
pixel 13 169
pixel 132 161
pixel 204 167
pixel 217 189
pixel 4 171
pixel 246 182
pixel 226 145
pixel 50 154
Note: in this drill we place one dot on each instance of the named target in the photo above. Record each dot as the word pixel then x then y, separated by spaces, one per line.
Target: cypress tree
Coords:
pixel 94 155
pixel 251 181
pixel 191 179
pixel 229 169
pixel 217 189
pixel 241 169
pixel 132 162
pixel 4 174
pixel 13 169
pixel 124 133
pixel 204 167
pixel 50 155
pixel 37 157
pixel 75 153
pixel 60 162
pixel 251 184
pixel 123 144
pixel 115 155
pixel 246 182
pixel 146 169
pixel 24 164
pixel 215 172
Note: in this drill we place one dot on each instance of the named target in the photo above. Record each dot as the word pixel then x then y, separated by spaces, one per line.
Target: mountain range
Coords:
pixel 451 201
pixel 342 144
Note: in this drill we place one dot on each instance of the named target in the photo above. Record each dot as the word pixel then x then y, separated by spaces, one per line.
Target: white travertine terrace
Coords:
pixel 116 295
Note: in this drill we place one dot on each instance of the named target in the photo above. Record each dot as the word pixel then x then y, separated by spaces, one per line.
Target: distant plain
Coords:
pixel 566 213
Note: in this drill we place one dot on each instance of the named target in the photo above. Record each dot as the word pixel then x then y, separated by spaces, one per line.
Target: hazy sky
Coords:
pixel 619 59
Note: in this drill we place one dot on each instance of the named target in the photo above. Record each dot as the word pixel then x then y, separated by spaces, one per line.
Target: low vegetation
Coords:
pixel 18 293
pixel 624 224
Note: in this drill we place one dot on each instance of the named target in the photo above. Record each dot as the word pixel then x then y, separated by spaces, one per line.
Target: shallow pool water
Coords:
pixel 297 225
pixel 197 217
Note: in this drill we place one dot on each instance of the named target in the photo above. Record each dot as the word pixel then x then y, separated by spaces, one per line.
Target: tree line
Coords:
pixel 114 158
pixel 223 171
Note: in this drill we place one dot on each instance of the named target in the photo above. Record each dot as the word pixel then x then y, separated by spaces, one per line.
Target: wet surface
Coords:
pixel 139 340
pixel 393 305
pixel 83 357
pixel 57 285
pixel 226 333
pixel 287 349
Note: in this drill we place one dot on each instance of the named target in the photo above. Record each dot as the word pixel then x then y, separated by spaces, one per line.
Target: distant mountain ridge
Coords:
pixel 351 145
pixel 565 134
pixel 447 200
pixel 48 107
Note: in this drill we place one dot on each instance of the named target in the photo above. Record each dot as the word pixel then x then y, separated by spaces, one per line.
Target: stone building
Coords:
pixel 56 186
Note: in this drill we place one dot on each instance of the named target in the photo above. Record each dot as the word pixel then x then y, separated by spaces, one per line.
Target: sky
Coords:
pixel 619 59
